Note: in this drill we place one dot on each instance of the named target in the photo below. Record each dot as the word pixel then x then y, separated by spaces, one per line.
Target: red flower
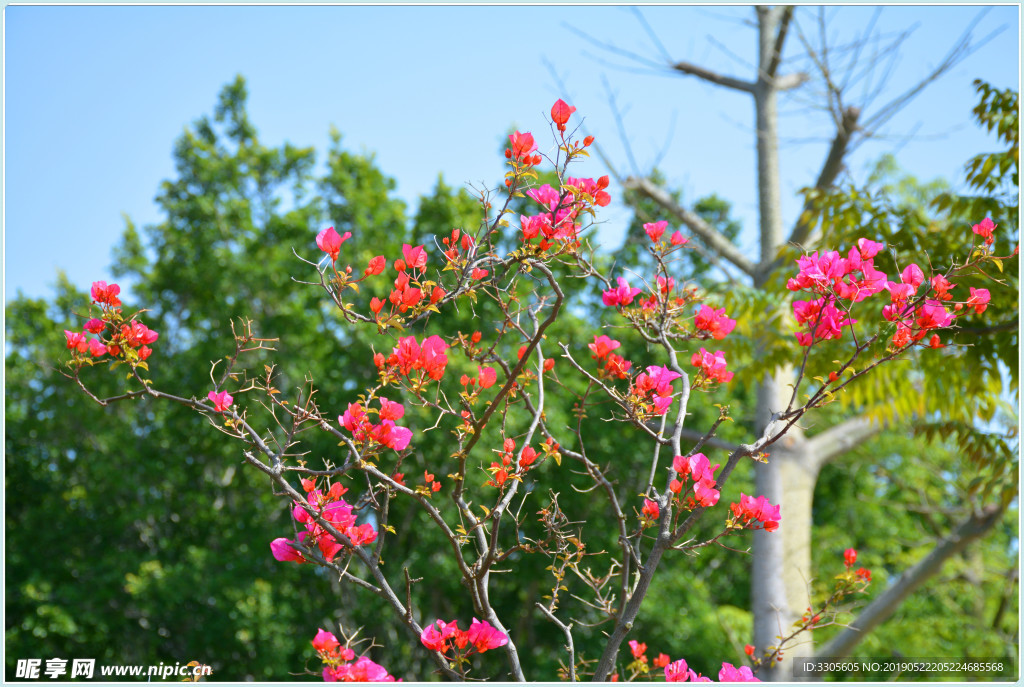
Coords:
pixel 415 258
pixel 655 230
pixel 330 242
pixel 850 557
pixel 637 648
pixel 984 228
pixel 101 293
pixel 485 636
pixel 714 322
pixel 221 401
pixel 95 326
pixel 325 641
pixel 487 377
pixel 650 511
pixel 77 340
pixel 522 145
pixel 376 266
pixel 560 113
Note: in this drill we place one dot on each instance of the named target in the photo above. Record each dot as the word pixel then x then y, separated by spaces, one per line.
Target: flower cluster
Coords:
pixel 623 295
pixel 339 663
pixel 385 433
pixel 652 390
pixel 750 510
pixel 127 339
pixel 332 508
pixel 614 365
pixel 447 637
pixel 854 278
pixel 697 469
pixel 428 358
pixel 561 210
pixel 712 366
pixel 713 322
pixel 502 471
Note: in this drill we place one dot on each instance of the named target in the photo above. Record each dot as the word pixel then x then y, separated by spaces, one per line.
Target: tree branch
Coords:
pixel 879 610
pixel 839 439
pixel 780 40
pixel 714 77
pixel 698 226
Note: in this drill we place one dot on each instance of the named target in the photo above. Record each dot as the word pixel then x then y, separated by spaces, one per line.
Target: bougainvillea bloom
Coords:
pixel 362 670
pixel 522 145
pixel 984 228
pixel 713 366
pixel 714 322
pixel 560 113
pixel 850 557
pixel 661 661
pixel 376 266
pixel 655 230
pixel 325 641
pixel 750 509
pixel 488 376
pixel 677 671
pixel 96 348
pixel 729 673
pixel 602 346
pixel 484 636
pixel 678 240
pixel 221 400
pixel 979 300
pixel 106 295
pixel 637 648
pixel 415 257
pixel 95 326
pixel 77 340
pixel 436 638
pixel 329 241
pixel 623 295
pixel 651 512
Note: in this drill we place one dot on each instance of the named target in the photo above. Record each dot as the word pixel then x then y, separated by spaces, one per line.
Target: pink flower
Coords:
pixel 353 417
pixel 869 249
pixel 330 242
pixel 650 509
pixel 415 258
pixel 283 551
pixel 363 670
pixel 77 341
pixel 376 266
pixel 101 293
pixel 522 145
pixel 221 400
pixel 325 641
pixel 714 322
pixel 979 300
pixel 560 113
pixel 95 326
pixel 436 638
pixel 759 509
pixel 96 348
pixel 678 240
pixel 637 649
pixel 623 295
pixel 484 636
pixel 602 346
pixel 655 230
pixel 912 275
pixel 677 671
pixel 713 366
pixel 487 377
pixel 984 228
pixel 390 410
pixel 932 315
pixel 728 673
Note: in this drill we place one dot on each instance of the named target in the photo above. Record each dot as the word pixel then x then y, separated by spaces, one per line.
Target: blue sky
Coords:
pixel 96 96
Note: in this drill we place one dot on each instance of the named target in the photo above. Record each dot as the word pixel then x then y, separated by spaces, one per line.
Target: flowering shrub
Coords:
pixel 502 437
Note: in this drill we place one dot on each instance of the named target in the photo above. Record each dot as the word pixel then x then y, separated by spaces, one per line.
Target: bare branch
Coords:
pixel 713 77
pixel 780 40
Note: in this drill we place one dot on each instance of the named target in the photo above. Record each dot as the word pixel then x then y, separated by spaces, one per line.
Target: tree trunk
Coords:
pixel 782 560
